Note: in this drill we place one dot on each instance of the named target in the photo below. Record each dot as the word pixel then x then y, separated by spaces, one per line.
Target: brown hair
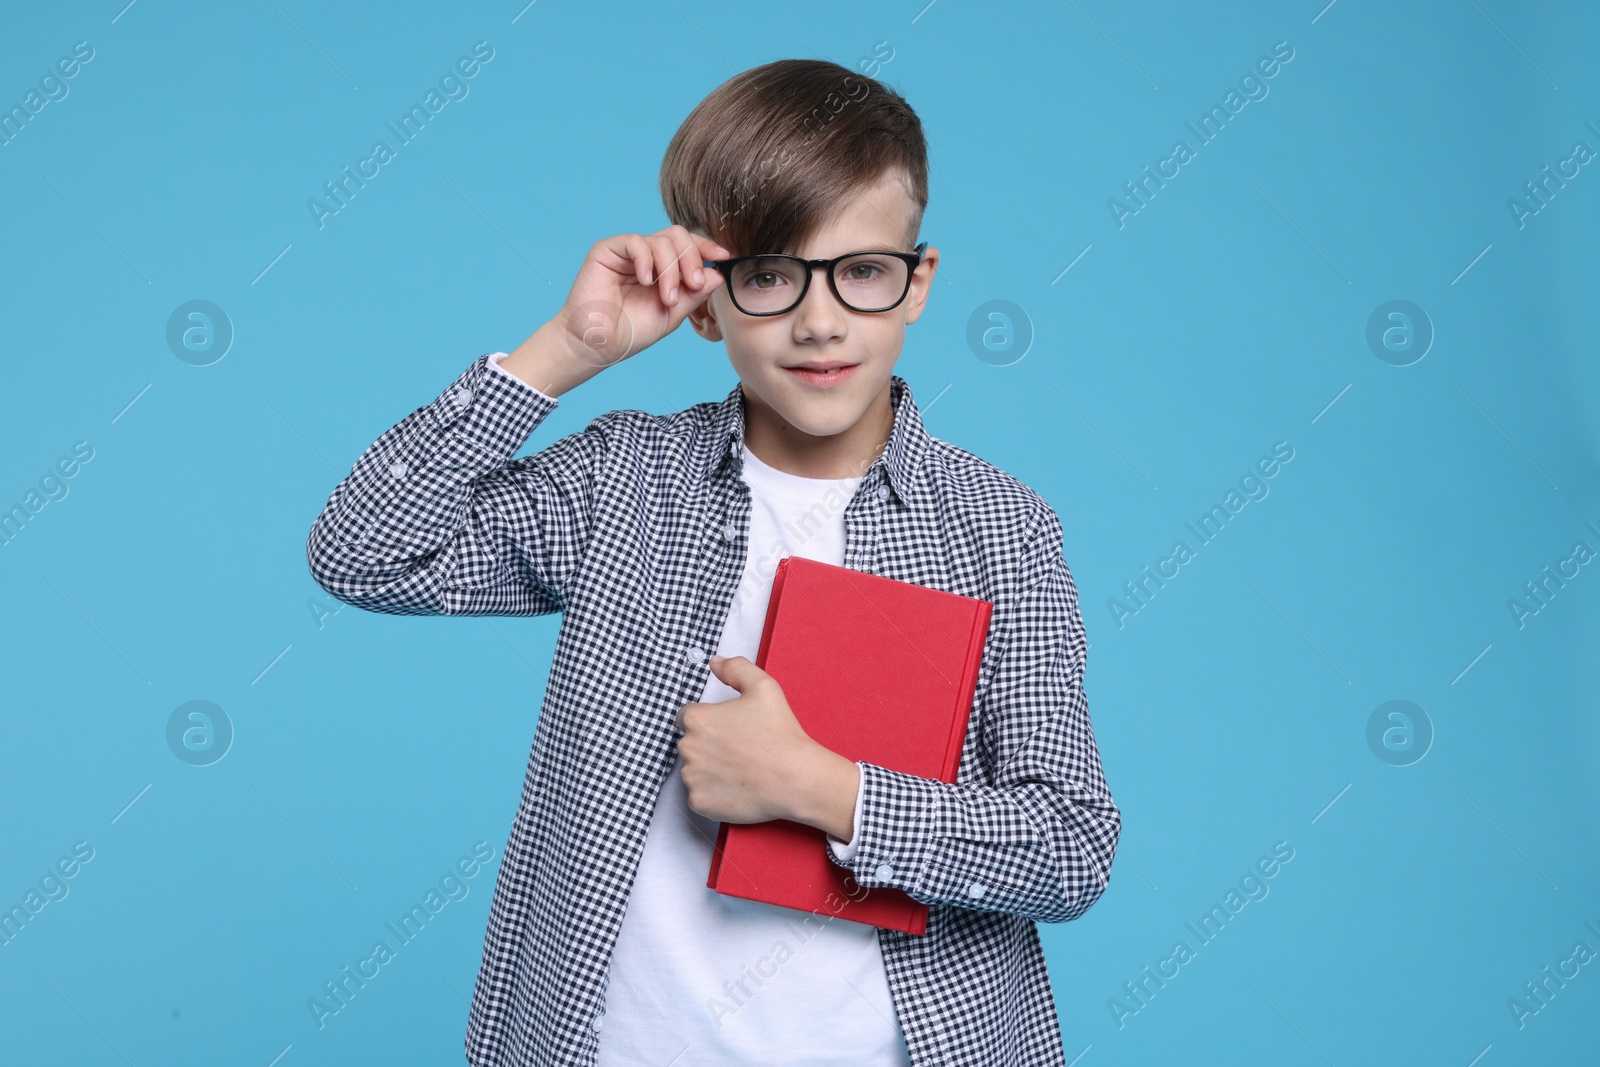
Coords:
pixel 764 160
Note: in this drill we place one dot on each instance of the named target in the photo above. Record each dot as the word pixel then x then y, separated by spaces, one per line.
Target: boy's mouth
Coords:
pixel 823 375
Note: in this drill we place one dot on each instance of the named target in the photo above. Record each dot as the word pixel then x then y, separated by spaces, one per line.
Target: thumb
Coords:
pixel 737 672
pixel 690 299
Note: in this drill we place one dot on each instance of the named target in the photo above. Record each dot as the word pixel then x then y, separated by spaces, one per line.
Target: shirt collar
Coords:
pixel 907 439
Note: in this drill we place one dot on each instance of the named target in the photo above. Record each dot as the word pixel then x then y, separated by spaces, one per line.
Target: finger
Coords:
pixel 626 253
pixel 693 298
pixel 664 255
pixel 636 250
pixel 709 249
pixel 683 267
pixel 678 719
pixel 643 259
pixel 694 275
pixel 686 257
pixel 737 672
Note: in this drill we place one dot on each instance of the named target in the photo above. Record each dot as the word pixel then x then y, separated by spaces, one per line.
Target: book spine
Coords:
pixel 716 856
pixel 772 611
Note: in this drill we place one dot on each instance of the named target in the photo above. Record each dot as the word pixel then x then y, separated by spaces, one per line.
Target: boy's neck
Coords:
pixel 782 446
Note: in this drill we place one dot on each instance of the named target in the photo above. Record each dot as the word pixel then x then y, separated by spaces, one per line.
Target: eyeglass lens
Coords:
pixel 866 282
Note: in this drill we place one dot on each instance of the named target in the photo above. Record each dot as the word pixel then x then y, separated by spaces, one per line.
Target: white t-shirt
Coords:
pixel 702 979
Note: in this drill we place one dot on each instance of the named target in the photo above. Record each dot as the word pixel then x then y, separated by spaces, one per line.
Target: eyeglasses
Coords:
pixel 772 283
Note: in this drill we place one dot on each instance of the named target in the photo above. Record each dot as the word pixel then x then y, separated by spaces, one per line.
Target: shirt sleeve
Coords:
pixel 842 852
pixel 1037 838
pixel 494 361
pixel 435 518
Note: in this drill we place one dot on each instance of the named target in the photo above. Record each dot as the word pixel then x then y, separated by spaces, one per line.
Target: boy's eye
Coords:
pixel 862 272
pixel 766 274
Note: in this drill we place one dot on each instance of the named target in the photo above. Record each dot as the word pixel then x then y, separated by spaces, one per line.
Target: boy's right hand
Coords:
pixel 631 291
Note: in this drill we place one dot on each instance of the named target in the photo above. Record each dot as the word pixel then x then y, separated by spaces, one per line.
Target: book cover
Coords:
pixel 874 669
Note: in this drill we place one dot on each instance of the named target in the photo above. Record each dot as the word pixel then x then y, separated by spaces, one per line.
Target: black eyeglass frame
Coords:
pixel 912 259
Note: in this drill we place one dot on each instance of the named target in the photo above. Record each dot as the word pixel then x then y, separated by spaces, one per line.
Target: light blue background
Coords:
pixel 1228 314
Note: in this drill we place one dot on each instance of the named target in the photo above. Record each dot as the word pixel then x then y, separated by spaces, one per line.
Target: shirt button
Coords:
pixel 976 889
pixel 597 1020
pixel 884 872
pixel 883 492
pixel 399 469
pixel 697 654
pixel 729 532
pixel 463 397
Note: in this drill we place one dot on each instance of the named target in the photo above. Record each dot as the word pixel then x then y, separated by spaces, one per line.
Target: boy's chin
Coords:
pixel 822 412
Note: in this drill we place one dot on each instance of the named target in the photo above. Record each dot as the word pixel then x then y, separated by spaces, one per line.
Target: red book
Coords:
pixel 877 670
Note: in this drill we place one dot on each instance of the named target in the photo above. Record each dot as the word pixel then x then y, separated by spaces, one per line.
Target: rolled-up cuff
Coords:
pixel 843 853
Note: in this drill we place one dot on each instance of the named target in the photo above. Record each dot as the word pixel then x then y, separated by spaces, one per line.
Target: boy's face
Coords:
pixel 821 329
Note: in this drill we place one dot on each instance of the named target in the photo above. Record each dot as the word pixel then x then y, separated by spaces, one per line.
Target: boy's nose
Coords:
pixel 819 315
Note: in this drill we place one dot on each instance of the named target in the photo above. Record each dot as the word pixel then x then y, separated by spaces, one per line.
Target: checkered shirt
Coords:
pixel 635 530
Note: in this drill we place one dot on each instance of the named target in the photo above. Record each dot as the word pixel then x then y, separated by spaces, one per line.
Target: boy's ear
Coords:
pixel 921 284
pixel 704 319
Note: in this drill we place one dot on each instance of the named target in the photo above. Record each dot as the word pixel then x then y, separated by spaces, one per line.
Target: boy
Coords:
pixel 656 537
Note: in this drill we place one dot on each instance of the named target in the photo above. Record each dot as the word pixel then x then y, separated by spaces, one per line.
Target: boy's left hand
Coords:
pixel 746 759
